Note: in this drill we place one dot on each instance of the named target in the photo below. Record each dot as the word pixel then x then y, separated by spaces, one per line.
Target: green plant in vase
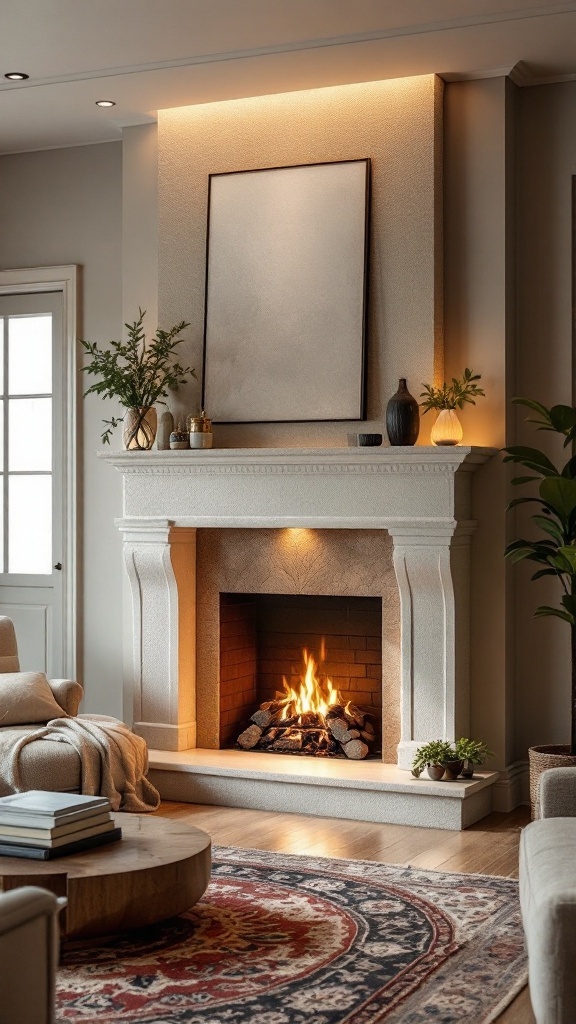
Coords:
pixel 434 756
pixel 447 429
pixel 553 551
pixel 138 375
pixel 471 752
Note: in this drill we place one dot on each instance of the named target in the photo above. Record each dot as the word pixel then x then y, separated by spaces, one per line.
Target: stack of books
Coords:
pixel 47 825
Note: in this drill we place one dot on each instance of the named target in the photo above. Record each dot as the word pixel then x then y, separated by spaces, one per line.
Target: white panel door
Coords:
pixel 31 475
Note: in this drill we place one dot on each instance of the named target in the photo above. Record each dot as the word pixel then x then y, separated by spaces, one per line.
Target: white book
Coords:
pixel 83 833
pixel 69 829
pixel 45 810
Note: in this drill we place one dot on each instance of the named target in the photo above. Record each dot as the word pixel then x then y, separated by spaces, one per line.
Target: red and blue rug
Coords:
pixel 284 939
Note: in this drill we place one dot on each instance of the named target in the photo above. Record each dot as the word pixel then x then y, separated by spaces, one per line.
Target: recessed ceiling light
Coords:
pixel 16 76
pixel 105 103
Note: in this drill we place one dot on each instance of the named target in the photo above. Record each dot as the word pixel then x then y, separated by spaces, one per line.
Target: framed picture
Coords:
pixel 286 290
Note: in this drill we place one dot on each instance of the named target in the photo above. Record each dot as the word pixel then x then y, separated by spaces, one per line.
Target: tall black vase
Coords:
pixel 402 416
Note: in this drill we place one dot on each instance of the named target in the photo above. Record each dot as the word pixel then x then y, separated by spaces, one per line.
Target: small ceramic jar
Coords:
pixel 179 439
pixel 200 428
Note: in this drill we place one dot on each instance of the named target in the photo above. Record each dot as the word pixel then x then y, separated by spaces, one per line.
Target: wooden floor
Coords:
pixel 489 847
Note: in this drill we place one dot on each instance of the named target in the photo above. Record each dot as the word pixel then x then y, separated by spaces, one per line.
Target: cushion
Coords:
pixel 26 697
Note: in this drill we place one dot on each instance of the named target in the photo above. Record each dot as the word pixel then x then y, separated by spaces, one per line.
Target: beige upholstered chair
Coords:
pixel 548 898
pixel 28 955
pixel 44 764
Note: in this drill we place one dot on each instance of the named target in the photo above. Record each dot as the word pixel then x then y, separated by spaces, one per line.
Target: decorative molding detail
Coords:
pixel 160 712
pixel 298 461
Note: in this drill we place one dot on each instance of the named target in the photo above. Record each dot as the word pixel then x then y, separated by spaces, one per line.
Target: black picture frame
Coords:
pixel 287 293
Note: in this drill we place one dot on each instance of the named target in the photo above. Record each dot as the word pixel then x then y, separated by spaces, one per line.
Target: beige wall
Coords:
pixel 479 332
pixel 545 371
pixel 62 207
pixel 398 125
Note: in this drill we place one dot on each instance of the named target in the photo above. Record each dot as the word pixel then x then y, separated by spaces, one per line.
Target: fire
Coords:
pixel 313 696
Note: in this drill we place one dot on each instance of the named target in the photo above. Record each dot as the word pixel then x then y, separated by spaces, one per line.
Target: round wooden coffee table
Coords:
pixel 160 868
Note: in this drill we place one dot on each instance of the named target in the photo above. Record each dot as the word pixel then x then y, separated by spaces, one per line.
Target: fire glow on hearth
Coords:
pixel 309 718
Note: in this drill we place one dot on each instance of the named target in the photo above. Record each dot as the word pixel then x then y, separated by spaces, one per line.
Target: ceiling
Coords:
pixel 150 54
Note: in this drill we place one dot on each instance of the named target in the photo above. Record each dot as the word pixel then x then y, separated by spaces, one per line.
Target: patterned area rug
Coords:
pixel 284 939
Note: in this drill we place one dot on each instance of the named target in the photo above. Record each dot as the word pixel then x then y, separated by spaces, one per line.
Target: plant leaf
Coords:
pixel 559 612
pixel 560 493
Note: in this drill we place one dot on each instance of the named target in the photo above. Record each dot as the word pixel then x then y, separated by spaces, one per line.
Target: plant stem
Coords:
pixel 573 646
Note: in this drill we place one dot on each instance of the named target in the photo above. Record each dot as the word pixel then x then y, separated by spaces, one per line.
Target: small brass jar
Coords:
pixel 200 428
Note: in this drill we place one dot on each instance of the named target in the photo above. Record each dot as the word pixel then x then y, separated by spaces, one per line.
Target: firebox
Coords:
pixel 303 674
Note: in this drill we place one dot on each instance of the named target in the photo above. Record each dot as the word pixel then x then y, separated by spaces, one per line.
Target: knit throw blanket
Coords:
pixel 114 760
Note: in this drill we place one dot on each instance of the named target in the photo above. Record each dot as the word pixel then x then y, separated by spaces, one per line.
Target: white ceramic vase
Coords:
pixel 447 428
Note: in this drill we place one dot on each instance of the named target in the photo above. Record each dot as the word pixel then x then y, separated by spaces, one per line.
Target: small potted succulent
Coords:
pixel 471 752
pixel 447 429
pixel 439 758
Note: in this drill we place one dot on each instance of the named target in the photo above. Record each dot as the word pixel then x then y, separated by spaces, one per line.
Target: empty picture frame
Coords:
pixel 286 288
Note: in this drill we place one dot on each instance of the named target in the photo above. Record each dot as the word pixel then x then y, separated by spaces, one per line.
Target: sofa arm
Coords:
pixel 18 906
pixel 68 693
pixel 28 955
pixel 558 793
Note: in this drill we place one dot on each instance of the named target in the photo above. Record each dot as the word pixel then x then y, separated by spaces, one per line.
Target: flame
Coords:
pixel 313 694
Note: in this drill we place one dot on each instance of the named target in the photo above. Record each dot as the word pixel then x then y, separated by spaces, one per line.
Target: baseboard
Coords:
pixel 512 788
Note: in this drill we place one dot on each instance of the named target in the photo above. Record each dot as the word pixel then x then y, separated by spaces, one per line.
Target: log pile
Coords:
pixel 345 731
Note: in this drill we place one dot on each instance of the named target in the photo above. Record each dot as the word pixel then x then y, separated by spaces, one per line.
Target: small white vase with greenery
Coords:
pixel 447 429
pixel 137 375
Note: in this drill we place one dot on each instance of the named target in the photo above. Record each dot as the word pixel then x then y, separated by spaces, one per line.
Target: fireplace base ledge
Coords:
pixel 360 791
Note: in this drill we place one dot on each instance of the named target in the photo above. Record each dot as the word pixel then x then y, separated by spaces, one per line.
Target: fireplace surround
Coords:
pixel 393 522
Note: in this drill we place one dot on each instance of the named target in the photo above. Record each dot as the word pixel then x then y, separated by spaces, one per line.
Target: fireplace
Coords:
pixel 392 524
pixel 279 651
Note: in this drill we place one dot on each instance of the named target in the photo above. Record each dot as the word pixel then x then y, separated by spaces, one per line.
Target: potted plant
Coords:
pixel 554 551
pixel 137 375
pixel 434 756
pixel 471 752
pixel 446 399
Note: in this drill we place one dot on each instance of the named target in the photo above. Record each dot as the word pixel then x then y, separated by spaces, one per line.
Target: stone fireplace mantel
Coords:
pixel 421 496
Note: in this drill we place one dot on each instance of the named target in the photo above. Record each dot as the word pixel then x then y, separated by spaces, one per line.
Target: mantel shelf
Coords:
pixel 305 460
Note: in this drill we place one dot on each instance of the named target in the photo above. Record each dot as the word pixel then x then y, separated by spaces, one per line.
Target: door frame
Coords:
pixel 65 280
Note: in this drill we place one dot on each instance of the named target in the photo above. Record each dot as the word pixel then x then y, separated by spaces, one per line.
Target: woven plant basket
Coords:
pixel 541 758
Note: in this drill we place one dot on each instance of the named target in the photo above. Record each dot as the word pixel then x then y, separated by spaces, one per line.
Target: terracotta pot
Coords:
pixel 139 429
pixel 541 758
pixel 435 771
pixel 453 769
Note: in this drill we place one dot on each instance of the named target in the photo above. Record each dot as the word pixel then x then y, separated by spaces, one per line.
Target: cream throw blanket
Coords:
pixel 114 760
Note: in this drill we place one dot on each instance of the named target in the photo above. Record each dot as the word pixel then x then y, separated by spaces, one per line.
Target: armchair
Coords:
pixel 45 765
pixel 548 898
pixel 28 955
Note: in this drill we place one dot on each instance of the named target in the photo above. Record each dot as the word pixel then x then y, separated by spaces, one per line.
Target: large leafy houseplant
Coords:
pixel 137 374
pixel 554 551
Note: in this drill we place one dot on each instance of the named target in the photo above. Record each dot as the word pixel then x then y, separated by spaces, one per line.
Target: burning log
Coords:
pixel 312 721
pixel 356 750
pixel 250 737
pixel 289 742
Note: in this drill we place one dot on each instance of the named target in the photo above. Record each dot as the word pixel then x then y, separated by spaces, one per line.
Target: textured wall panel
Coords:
pixel 395 123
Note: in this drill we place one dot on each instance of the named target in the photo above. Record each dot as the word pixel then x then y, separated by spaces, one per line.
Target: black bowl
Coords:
pixel 369 440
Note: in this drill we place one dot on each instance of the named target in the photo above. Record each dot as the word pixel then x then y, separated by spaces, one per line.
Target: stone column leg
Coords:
pixel 161 565
pixel 431 562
